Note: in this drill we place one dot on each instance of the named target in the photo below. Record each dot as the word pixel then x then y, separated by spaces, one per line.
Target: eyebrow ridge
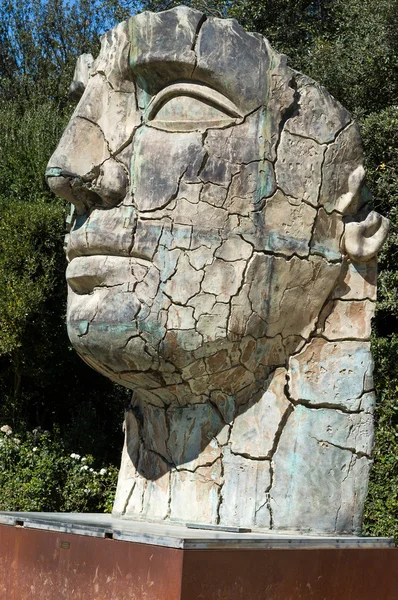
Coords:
pixel 197 91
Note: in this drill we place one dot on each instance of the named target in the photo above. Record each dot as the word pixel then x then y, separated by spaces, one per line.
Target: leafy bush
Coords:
pixel 381 510
pixel 38 474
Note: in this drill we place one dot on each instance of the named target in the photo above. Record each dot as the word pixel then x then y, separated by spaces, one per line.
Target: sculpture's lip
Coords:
pixel 87 272
pixel 75 252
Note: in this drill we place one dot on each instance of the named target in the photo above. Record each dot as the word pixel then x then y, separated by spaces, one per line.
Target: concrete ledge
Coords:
pixel 179 536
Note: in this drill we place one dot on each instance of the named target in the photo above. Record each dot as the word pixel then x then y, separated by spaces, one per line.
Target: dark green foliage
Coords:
pixel 380 136
pixel 38 473
pixel 381 511
pixel 358 59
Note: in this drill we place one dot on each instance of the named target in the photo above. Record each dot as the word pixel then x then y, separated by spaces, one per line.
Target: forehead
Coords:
pixel 183 45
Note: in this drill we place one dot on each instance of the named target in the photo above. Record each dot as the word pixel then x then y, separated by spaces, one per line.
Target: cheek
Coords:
pixel 160 160
pixel 281 297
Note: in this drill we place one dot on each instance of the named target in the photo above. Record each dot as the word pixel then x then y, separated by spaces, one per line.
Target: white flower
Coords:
pixel 75 456
pixel 91 470
pixel 84 459
pixel 6 429
pixel 16 441
pixel 34 449
pixel 102 471
pixel 84 468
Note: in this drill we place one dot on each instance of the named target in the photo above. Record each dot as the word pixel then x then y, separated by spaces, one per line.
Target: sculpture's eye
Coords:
pixel 189 107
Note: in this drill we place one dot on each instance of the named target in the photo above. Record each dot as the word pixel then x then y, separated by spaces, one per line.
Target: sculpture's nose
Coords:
pixel 83 171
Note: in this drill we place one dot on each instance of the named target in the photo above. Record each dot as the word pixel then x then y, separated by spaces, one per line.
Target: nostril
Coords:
pixel 103 186
pixel 74 188
pixel 84 195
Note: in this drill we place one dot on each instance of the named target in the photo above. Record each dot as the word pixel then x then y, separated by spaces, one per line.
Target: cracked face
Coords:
pixel 219 265
pixel 200 253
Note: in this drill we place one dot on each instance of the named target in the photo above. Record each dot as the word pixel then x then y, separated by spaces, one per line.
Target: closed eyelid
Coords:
pixel 196 91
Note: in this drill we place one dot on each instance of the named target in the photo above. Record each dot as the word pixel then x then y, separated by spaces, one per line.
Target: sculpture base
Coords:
pixel 46 556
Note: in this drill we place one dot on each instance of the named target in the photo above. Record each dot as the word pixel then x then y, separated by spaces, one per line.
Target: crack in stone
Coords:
pixel 291 111
pixel 124 510
pixel 199 26
pixel 353 451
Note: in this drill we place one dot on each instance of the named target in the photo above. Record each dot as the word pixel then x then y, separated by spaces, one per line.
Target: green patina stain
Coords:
pixel 82 327
pixel 54 172
pixel 116 329
pixel 265 133
pixel 278 241
pixel 137 160
pixel 266 181
pixel 326 251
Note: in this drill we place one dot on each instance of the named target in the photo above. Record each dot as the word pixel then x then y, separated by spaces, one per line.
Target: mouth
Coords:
pixel 86 273
pixel 112 232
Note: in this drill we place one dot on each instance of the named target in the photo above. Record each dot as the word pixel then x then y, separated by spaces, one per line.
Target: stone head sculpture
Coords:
pixel 222 266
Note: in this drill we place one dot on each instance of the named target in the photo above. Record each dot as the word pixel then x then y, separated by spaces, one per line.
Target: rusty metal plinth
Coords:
pixel 37 564
pixel 45 565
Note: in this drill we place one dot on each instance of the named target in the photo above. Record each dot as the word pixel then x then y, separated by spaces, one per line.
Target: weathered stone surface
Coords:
pixel 281 102
pixel 304 158
pixel 81 76
pixel 233 249
pixel 357 281
pixel 342 157
pixel 104 271
pixel 150 191
pixel 171 56
pixel 105 107
pixel 230 144
pixel 128 472
pixel 288 226
pixel 248 84
pixel 327 228
pixel 155 430
pixel 108 233
pixel 349 320
pixel 222 266
pixel 195 496
pixel 156 484
pixel 113 59
pixel 223 279
pixel 191 441
pixel 180 317
pixel 212 325
pixel 321 451
pixel 320 116
pixel 311 280
pixel 357 244
pixel 249 480
pixel 312 374
pixel 257 425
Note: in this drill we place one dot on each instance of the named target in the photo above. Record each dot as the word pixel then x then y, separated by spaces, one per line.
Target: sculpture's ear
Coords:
pixel 363 239
pixel 365 232
pixel 80 77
